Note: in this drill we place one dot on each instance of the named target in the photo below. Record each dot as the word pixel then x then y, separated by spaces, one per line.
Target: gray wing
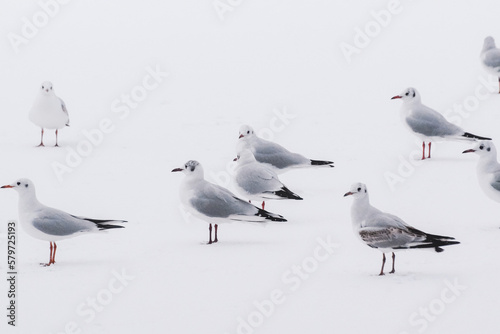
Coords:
pixel 430 123
pixel 495 181
pixel 55 222
pixel 492 59
pixel 388 237
pixel 276 155
pixel 257 179
pixel 217 202
pixel 64 109
pixel 384 230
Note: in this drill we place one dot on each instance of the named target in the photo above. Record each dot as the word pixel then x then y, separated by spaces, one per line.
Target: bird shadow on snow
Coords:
pixel 239 243
pixel 63 265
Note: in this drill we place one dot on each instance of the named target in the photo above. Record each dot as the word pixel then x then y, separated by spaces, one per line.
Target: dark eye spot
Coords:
pixel 43 87
pixel 407 93
pixel 192 168
pixel 481 147
pixel 248 131
pixel 359 189
pixel 488 149
pixel 26 185
pixel 18 183
pixel 50 88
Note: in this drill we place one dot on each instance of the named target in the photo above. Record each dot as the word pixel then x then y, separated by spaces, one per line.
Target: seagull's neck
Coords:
pixel 488 163
pixel 251 139
pixel 361 207
pixel 245 161
pixel 28 202
pixel 193 179
pixel 45 99
pixel 410 106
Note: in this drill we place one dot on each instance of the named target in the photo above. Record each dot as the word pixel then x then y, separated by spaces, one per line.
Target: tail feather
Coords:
pixel 287 193
pixel 107 226
pixel 270 216
pixel 436 244
pixel 429 237
pixel 473 136
pixel 104 224
pixel 321 163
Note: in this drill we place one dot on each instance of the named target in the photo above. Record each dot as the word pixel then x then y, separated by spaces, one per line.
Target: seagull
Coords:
pixel 387 232
pixel 257 181
pixel 490 57
pixel 488 169
pixel 428 124
pixel 46 223
pixel 49 111
pixel 215 204
pixel 273 154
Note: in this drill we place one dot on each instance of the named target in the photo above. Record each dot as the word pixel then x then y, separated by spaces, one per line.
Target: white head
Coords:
pixel 358 190
pixel 245 156
pixel 22 186
pixel 489 43
pixel 192 168
pixel 246 131
pixel 408 95
pixel 46 88
pixel 484 149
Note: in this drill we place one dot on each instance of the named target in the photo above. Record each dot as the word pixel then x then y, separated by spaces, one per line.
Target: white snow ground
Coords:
pixel 263 58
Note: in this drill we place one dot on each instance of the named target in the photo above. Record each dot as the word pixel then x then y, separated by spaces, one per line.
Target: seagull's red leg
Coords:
pixel 216 227
pixel 394 260
pixel 56 139
pixel 209 234
pixel 429 150
pixel 499 85
pixel 263 204
pixel 50 257
pixel 383 263
pixel 423 150
pixel 54 254
pixel 41 140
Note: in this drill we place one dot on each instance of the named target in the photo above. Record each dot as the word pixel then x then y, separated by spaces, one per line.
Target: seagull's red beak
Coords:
pixel 241 136
pixel 7 186
pixel 235 159
pixel 396 97
pixel 177 170
pixel 466 151
pixel 348 194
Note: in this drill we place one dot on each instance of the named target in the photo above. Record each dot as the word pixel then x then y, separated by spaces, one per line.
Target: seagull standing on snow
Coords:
pixel 49 111
pixel 259 182
pixel 386 232
pixel 490 57
pixel 215 204
pixel 488 169
pixel 428 124
pixel 273 154
pixel 45 223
